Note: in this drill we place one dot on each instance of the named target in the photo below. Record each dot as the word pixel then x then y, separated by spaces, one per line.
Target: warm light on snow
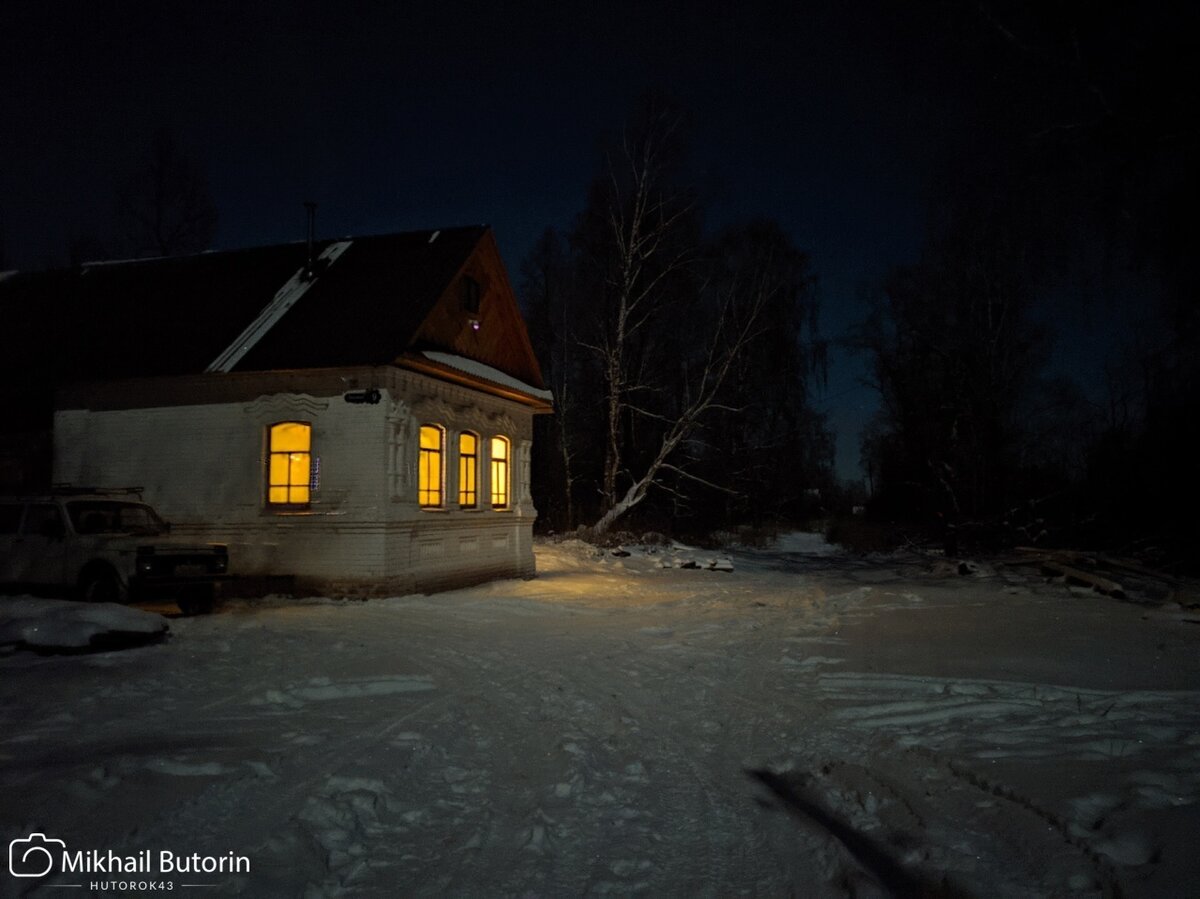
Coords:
pixel 588 732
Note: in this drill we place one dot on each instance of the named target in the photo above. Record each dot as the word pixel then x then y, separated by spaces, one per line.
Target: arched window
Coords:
pixel 289 463
pixel 499 472
pixel 468 470
pixel 430 475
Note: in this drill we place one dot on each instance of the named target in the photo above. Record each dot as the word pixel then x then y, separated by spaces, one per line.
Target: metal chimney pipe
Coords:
pixel 311 265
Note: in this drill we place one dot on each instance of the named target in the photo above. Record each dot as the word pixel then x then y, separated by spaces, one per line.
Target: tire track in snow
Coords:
pixel 726 801
pixel 957 725
pixel 240 810
pixel 612 788
pixel 605 839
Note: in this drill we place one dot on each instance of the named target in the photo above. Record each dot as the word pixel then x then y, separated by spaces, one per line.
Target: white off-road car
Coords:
pixel 104 546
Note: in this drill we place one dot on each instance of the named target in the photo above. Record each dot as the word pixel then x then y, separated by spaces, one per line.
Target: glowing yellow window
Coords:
pixel 290 464
pixel 429 481
pixel 468 470
pixel 499 472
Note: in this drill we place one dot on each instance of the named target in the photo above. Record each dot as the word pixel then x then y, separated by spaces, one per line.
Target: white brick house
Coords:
pixel 364 427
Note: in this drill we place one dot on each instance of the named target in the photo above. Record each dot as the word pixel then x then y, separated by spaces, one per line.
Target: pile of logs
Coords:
pixel 1111 576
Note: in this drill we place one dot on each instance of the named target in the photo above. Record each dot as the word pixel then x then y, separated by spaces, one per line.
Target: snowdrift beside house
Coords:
pixel 58 625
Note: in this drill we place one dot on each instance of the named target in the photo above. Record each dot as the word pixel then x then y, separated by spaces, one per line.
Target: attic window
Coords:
pixel 470 295
pixel 289 469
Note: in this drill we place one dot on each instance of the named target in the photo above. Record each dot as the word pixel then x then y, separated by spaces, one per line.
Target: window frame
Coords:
pixel 468 463
pixel 423 453
pixel 288 486
pixel 500 473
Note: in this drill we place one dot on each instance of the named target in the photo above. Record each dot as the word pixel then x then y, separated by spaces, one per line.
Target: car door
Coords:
pixel 40 555
pixel 10 526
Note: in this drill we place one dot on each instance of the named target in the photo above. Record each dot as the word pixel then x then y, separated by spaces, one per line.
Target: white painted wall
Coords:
pixel 202 465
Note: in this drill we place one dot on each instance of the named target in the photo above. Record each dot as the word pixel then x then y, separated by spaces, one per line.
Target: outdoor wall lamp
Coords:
pixel 370 396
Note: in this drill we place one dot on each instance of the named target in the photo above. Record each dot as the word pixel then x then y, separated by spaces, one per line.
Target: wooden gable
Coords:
pixel 477 317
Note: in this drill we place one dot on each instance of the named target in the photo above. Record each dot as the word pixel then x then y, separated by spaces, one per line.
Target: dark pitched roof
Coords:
pixel 368 306
pixel 175 316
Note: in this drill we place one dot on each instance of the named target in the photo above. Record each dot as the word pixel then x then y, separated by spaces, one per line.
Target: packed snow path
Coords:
pixel 590 732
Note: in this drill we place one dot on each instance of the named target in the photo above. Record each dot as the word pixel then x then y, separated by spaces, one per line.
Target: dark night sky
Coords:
pixel 827 117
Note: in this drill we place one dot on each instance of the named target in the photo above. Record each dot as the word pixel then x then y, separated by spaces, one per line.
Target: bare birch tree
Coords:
pixel 666 337
pixel 640 246
pixel 646 328
pixel 739 313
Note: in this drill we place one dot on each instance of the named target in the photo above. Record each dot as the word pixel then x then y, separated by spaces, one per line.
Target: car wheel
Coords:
pixel 196 600
pixel 100 585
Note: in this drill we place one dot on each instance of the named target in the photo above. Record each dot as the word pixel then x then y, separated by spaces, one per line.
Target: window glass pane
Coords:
pixel 291 436
pixel 429 468
pixel 499 472
pixel 279 468
pixel 102 516
pixel 41 519
pixel 289 465
pixel 468 466
pixel 298 469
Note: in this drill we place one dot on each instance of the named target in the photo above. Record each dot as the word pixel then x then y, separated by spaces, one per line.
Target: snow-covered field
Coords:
pixel 592 730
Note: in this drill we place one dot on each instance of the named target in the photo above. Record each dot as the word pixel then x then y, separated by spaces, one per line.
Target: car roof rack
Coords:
pixel 71 490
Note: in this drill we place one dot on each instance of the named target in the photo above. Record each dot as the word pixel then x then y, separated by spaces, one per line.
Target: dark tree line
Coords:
pixel 680 360
pixel 1081 188
pixel 954 356
pixel 163 207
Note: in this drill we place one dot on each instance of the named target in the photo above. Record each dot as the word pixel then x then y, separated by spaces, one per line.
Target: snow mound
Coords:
pixel 58 625
pixel 560 556
pixel 574 555
pixel 720 563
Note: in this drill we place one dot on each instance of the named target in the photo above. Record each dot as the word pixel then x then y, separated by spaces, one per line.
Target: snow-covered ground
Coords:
pixel 59 625
pixel 591 731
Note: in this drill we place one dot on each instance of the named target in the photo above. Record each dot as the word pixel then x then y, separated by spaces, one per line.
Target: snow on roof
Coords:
pixel 284 299
pixel 479 370
pixel 89 264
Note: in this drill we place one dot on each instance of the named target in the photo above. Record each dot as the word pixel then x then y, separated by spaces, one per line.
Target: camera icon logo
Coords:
pixel 33 856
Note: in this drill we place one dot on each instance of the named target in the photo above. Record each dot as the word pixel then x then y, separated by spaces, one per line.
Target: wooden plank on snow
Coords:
pixel 1086 578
